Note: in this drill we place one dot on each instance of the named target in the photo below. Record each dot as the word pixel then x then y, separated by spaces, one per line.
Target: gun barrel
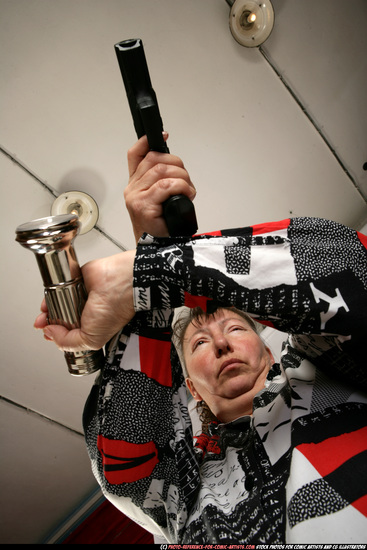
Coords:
pixel 140 93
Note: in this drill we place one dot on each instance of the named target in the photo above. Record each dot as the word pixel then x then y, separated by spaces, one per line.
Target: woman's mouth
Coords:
pixel 229 363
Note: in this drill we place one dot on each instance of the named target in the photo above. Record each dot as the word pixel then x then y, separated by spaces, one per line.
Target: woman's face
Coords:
pixel 227 363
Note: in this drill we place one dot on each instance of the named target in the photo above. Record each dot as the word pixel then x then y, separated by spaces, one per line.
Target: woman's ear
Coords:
pixel 192 390
pixel 271 356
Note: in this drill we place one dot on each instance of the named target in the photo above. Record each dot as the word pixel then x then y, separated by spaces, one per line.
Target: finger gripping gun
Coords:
pixel 178 210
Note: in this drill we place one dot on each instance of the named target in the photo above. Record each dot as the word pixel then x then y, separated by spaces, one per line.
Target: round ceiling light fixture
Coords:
pixel 251 22
pixel 81 204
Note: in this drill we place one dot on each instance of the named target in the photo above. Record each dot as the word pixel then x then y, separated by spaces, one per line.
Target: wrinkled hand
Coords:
pixel 109 307
pixel 153 178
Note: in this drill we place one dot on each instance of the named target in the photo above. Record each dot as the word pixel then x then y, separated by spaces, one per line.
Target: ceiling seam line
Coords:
pixel 50 189
pixel 43 416
pixel 314 123
pixel 28 170
pixel 110 238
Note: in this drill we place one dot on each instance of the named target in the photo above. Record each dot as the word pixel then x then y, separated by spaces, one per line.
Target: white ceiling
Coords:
pixel 266 134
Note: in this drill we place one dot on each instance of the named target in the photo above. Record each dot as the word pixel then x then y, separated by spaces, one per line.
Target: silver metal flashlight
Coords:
pixel 51 240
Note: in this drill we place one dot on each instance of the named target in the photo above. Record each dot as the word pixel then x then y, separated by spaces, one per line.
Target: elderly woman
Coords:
pixel 283 455
pixel 224 360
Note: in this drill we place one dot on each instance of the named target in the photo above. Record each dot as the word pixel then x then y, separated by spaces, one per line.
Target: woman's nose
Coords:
pixel 221 345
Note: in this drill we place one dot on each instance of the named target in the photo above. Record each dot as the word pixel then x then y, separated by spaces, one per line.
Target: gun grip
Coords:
pixel 178 210
pixel 180 216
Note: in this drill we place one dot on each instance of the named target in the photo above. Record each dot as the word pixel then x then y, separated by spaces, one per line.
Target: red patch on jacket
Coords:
pixel 192 301
pixel 269 227
pixel 125 462
pixel 155 360
pixel 332 453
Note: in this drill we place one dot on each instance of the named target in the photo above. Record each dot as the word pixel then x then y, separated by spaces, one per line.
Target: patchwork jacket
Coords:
pixel 294 471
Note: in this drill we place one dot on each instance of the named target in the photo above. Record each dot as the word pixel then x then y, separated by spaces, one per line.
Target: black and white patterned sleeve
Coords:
pixel 304 276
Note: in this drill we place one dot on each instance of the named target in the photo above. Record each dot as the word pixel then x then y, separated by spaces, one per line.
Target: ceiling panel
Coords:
pixel 320 50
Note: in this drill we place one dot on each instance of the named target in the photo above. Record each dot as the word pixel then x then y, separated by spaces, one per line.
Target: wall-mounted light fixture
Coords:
pixel 251 22
pixel 81 204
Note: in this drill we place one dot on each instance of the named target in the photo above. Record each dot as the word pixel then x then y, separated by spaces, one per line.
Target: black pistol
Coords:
pixel 178 210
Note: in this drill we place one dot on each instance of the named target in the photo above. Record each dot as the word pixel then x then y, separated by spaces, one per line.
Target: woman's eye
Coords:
pixel 197 344
pixel 236 328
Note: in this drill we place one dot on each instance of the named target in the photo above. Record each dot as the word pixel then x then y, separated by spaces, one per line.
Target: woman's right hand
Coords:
pixel 153 178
